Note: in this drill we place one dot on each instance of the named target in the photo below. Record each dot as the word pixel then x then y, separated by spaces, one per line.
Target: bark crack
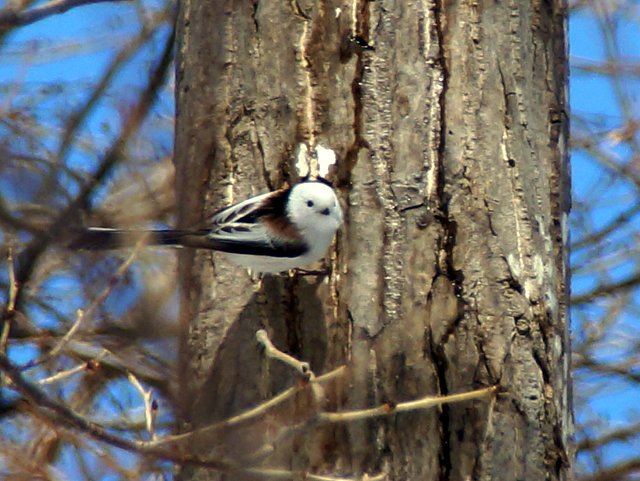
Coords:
pixel 307 124
pixel 437 196
pixel 358 30
pixel 521 269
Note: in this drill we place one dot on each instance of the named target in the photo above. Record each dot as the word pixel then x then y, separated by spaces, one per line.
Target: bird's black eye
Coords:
pixel 309 203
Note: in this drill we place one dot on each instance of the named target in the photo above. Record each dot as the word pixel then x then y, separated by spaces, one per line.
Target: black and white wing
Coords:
pixel 257 226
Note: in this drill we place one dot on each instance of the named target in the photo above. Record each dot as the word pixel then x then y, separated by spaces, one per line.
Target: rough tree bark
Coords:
pixel 450 273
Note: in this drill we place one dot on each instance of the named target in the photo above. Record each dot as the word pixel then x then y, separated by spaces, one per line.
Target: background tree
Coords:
pixel 605 231
pixel 70 83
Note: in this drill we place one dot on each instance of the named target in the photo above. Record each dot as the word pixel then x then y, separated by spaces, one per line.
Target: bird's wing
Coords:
pixel 244 211
pixel 246 228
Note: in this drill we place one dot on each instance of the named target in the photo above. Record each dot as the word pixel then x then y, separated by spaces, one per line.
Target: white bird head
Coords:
pixel 314 208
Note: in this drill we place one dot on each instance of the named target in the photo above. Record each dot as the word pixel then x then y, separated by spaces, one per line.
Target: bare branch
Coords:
pixel 623 370
pixel 149 410
pixel 78 117
pixel 69 372
pixel 256 411
pixel 616 472
pixel 68 418
pixel 12 18
pixel 11 301
pixel 274 353
pixel 131 125
pixel 610 289
pixel 98 301
pixel 388 409
pixel 623 434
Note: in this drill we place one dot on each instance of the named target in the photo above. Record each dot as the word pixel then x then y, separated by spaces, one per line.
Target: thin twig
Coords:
pixel 11 301
pixel 624 434
pixel 274 353
pixel 604 290
pixel 69 372
pixel 387 409
pixel 149 410
pixel 98 301
pixel 79 116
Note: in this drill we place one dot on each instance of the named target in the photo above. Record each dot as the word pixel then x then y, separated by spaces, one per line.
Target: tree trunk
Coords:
pixel 449 122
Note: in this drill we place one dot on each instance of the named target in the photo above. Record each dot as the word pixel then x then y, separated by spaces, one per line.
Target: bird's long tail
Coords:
pixel 101 238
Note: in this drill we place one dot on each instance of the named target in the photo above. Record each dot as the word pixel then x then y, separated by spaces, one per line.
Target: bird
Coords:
pixel 273 232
